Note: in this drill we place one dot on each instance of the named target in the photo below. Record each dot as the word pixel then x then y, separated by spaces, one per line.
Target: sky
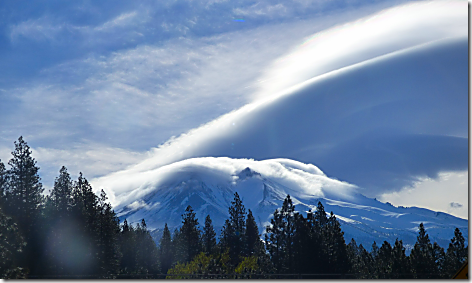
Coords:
pixel 115 87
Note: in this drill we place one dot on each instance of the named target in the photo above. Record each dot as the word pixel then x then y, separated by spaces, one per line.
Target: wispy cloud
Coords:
pixel 446 193
pixel 368 123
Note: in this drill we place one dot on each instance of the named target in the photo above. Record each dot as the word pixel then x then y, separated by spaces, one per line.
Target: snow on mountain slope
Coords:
pixel 208 185
pixel 380 124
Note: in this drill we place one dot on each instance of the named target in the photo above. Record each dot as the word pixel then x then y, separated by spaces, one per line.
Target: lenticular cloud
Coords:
pixel 377 103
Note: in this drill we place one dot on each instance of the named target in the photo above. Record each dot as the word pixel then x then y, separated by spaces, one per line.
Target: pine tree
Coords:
pixel 190 238
pixel 127 239
pixel 421 257
pixel 11 247
pixel 320 216
pixel 58 214
pixel 209 240
pixel 400 266
pixel 336 247
pixel 274 240
pixel 109 254
pixel 3 183
pixel 439 258
pixel 24 193
pixel 146 252
pixel 234 231
pixel 374 253
pixel 24 202
pixel 61 195
pixel 384 261
pixel 456 254
pixel 165 250
pixel 353 256
pixel 300 244
pixel 253 241
pixel 366 264
pixel 85 212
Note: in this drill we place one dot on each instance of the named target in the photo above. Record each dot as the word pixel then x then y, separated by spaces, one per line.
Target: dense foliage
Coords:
pixel 73 233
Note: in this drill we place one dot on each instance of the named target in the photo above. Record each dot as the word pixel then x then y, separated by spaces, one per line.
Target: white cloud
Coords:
pixel 91 159
pixel 37 29
pixel 449 193
pixel 124 19
pixel 346 44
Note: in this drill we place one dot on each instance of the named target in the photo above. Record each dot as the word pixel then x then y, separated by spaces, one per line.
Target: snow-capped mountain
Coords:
pixel 208 185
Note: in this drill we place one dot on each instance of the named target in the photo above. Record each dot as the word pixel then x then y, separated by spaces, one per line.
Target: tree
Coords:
pixel 146 252
pixel 320 216
pixel 190 239
pixel 439 258
pixel 24 202
pixel 253 242
pixel 3 183
pixel 305 244
pixel 234 230
pixel 81 240
pixel 209 240
pixel 456 254
pixel 58 211
pixel 24 194
pixel 336 247
pixel 366 264
pixel 384 261
pixel 127 241
pixel 165 250
pixel 109 254
pixel 400 266
pixel 421 257
pixel 11 247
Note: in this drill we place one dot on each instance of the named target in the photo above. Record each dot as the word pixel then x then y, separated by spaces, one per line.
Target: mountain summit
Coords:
pixel 208 185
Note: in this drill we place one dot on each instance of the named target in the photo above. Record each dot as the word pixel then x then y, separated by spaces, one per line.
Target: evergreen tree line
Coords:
pixel 73 233
pixel 295 246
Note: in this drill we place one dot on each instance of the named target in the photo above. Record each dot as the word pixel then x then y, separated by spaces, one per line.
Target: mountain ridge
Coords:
pixel 208 185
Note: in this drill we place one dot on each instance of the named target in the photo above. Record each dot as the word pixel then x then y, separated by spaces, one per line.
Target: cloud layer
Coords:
pixel 381 124
pixel 379 101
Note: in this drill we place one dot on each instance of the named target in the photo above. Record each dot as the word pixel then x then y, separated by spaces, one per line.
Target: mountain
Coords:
pixel 208 185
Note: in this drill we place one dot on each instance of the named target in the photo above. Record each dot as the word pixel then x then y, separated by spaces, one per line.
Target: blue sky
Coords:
pixel 102 86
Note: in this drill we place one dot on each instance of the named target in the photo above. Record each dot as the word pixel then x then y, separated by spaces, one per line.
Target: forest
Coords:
pixel 73 233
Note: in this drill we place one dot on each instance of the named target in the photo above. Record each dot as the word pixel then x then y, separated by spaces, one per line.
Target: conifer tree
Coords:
pixel 374 253
pixel 24 202
pixel 421 257
pixel 24 194
pixel 3 183
pixel 165 250
pixel 11 247
pixel 274 240
pixel 85 212
pixel 353 255
pixel 384 261
pixel 400 264
pixel 61 195
pixel 127 240
pixel 304 244
pixel 254 244
pixel 439 258
pixel 209 240
pixel 336 247
pixel 366 264
pixel 234 231
pixel 109 254
pixel 58 214
pixel 146 253
pixel 456 254
pixel 190 238
pixel 320 216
